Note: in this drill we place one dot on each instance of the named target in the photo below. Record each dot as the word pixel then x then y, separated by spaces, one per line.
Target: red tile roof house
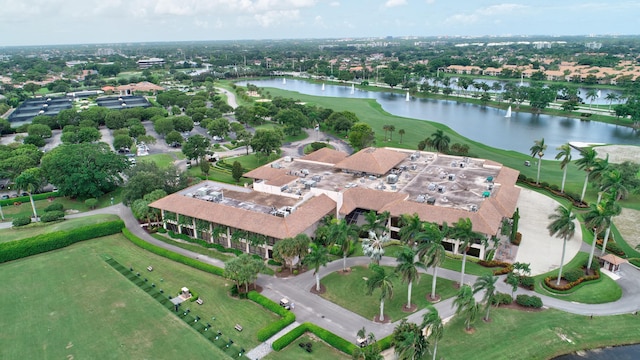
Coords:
pixel 292 195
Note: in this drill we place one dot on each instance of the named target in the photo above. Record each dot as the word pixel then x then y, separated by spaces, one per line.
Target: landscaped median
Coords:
pixel 327 336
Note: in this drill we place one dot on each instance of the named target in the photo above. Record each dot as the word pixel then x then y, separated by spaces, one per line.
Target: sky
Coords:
pixel 49 22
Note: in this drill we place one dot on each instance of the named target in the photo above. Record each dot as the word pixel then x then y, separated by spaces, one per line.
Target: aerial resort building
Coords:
pixel 292 195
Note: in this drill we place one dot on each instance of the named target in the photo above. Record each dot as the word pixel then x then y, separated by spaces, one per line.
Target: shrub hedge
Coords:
pixel 529 301
pixel 572 275
pixel 26 198
pixel 550 281
pixel 21 221
pixel 505 266
pixel 171 255
pixel 527 282
pixel 19 249
pixel 53 215
pixel 287 316
pixel 54 207
pixel 502 299
pixel 327 336
pixel 612 247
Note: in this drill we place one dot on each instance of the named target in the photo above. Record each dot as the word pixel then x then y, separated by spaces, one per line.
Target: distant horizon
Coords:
pixel 514 37
pixel 74 22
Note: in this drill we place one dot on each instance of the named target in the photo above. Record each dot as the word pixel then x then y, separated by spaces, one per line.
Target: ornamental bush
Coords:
pixel 529 301
pixel 54 207
pixel 572 275
pixel 21 221
pixel 502 299
pixel 50 216
pixel 527 282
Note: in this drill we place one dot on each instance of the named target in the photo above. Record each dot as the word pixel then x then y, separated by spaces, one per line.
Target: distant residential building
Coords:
pixel 147 63
pixel 105 52
pixel 73 63
pixel 593 45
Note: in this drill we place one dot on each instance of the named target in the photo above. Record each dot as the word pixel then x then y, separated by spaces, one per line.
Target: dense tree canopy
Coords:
pixel 84 170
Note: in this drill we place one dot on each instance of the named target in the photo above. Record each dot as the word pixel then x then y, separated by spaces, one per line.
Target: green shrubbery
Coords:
pixel 287 316
pixel 529 301
pixel 635 261
pixel 572 275
pixel 50 216
pixel 205 244
pixel 502 299
pixel 612 247
pixel 171 255
pixel 505 267
pixel 21 221
pixel 550 281
pixel 527 282
pixel 54 207
pixel 36 197
pixel 55 240
pixel 327 336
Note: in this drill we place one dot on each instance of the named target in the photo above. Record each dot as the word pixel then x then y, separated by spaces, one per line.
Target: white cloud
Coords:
pixel 271 18
pixel 430 2
pixel 486 13
pixel 334 3
pixel 394 3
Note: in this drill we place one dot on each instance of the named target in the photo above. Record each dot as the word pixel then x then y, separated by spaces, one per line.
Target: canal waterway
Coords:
pixel 484 124
pixel 629 352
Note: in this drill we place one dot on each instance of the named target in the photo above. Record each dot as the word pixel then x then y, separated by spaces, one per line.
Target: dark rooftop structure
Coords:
pixel 40 106
pixel 123 102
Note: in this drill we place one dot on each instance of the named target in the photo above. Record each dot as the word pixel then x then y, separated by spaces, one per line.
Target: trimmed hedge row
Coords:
pixel 19 249
pixel 287 316
pixel 327 336
pixel 550 282
pixel 612 247
pixel 171 255
pixel 24 199
pixel 529 301
pixel 505 266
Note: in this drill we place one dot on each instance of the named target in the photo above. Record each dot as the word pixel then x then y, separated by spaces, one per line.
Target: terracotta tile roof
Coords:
pixel 612 259
pixel 300 220
pixel 265 173
pixel 368 199
pixel 325 155
pixel 376 161
pixel 141 86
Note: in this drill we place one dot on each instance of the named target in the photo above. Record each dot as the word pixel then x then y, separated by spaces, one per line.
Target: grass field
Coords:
pixel 535 335
pixel 320 351
pixel 342 289
pixel 162 160
pixel 71 302
pixel 38 228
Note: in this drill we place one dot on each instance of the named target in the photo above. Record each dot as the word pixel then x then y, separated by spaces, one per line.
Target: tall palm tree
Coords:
pixel 463 232
pixel 599 170
pixel 343 234
pixel 612 209
pixel 487 283
pixel 432 251
pixel 586 163
pixel 375 222
pixel 440 141
pixel 383 280
pixel 318 257
pixel 432 323
pixel 401 132
pixel 386 129
pixel 409 341
pixel 591 95
pixel 408 269
pixel 392 128
pixel 538 149
pixel 598 217
pixel 30 181
pixel 411 225
pixel 563 225
pixel 565 155
pixel 611 97
pixel 466 305
pixel 613 182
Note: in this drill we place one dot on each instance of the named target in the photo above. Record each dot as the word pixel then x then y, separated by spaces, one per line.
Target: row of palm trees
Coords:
pixel 412 341
pixel 596 170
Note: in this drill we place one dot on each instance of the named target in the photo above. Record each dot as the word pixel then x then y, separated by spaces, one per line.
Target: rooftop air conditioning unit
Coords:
pixel 431 201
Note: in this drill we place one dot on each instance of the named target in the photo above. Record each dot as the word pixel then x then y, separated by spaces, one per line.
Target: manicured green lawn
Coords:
pixel 39 228
pixel 71 302
pixel 343 289
pixel 162 160
pixel 320 351
pixel 514 334
pixel 600 291
pixel 22 206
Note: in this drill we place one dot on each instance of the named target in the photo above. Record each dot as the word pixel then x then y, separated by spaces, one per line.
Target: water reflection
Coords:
pixel 483 124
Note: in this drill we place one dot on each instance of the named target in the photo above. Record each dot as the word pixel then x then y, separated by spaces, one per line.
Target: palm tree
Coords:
pixel 383 280
pixel 318 257
pixel 432 323
pixel 392 128
pixel 598 217
pixel 344 235
pixel 440 141
pixel 432 251
pixel 591 95
pixel 586 163
pixel 409 341
pixel 612 182
pixel 611 97
pixel 538 149
pixel 373 246
pixel 466 305
pixel 565 155
pixel 376 223
pixel 488 284
pixel 408 269
pixel 401 132
pixel 411 225
pixel 563 225
pixel 30 181
pixel 463 232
